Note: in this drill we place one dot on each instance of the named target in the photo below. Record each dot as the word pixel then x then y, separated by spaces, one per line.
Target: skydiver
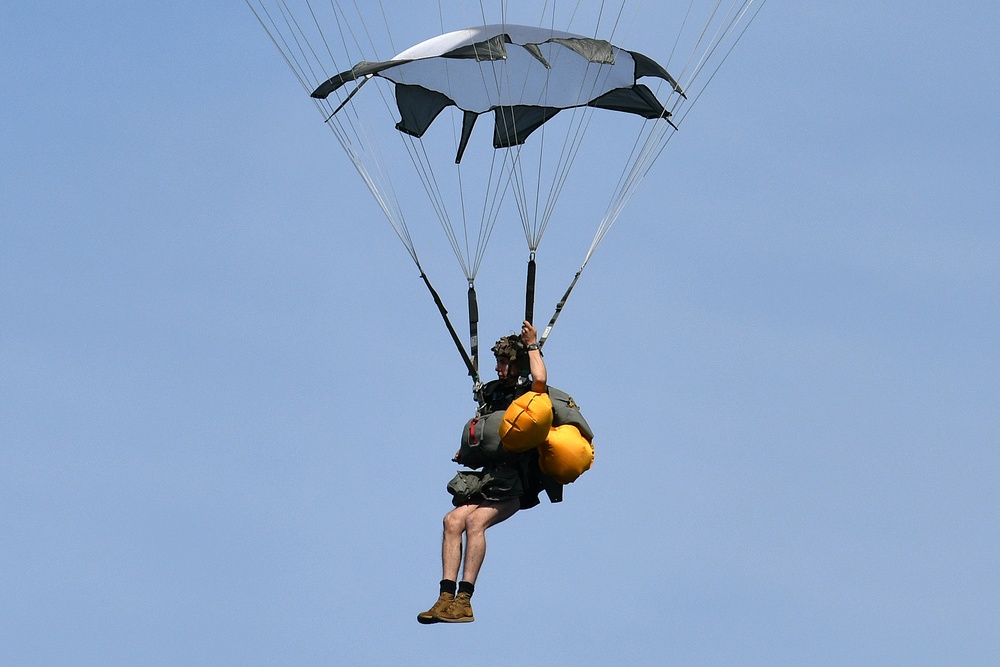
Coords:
pixel 488 497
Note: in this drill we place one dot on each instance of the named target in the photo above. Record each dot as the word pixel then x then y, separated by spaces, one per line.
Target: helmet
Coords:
pixel 510 347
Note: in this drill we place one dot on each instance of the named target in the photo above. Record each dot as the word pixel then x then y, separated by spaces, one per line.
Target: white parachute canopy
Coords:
pixel 560 101
pixel 525 75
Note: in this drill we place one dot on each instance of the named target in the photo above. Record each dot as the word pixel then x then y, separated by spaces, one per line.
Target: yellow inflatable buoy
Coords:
pixel 526 422
pixel 565 454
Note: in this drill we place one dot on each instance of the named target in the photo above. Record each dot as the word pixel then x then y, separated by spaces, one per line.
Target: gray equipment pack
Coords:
pixel 481 442
pixel 566 411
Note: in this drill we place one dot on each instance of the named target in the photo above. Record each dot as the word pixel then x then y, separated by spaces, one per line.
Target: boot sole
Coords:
pixel 427 620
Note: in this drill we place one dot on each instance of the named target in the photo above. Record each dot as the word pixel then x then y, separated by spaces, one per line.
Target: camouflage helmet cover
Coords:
pixel 510 348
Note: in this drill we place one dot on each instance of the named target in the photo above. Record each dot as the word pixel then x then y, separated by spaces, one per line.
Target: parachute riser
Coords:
pixel 529 290
pixel 474 327
pixel 529 303
pixel 559 307
pixel 473 370
pixel 477 385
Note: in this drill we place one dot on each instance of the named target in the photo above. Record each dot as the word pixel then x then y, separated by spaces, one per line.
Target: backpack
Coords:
pixel 481 441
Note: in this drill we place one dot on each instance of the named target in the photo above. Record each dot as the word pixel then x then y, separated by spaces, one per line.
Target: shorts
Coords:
pixel 492 485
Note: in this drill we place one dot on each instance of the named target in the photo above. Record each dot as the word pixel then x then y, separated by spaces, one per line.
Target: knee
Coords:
pixel 453 524
pixel 474 524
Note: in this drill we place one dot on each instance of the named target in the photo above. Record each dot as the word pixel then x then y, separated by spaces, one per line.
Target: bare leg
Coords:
pixel 476 522
pixel 451 542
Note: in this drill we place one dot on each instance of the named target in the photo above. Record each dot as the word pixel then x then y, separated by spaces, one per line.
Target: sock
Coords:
pixel 466 587
pixel 448 586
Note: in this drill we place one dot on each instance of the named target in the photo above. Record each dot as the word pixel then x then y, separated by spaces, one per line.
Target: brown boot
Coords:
pixel 432 615
pixel 459 611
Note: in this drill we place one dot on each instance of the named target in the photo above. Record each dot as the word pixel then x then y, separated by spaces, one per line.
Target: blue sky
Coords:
pixel 228 405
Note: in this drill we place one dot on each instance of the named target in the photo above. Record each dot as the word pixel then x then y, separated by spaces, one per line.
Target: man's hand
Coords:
pixel 539 376
pixel 529 335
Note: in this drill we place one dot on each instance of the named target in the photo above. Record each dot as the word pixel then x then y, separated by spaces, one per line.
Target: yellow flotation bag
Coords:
pixel 526 422
pixel 566 454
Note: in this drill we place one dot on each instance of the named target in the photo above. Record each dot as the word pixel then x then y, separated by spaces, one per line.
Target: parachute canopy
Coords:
pixel 571 113
pixel 523 74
